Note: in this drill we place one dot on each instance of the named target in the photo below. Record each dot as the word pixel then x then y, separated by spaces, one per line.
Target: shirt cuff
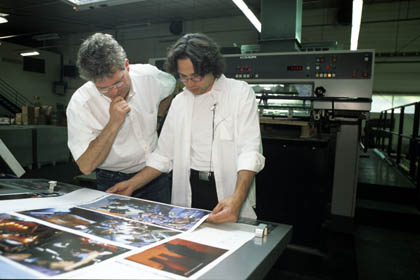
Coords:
pixel 159 162
pixel 252 161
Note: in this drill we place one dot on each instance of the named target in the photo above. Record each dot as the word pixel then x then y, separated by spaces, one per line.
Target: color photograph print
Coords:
pixel 47 250
pixel 178 256
pixel 112 228
pixel 169 216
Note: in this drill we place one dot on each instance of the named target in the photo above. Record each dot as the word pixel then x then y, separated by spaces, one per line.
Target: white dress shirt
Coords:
pixel 202 132
pixel 88 114
pixel 237 142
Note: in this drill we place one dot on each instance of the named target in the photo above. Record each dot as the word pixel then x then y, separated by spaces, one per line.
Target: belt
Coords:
pixel 202 175
pixel 116 172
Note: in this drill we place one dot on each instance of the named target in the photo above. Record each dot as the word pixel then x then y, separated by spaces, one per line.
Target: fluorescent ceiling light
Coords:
pixel 92 4
pixel 29 53
pixel 3 20
pixel 248 13
pixel 355 24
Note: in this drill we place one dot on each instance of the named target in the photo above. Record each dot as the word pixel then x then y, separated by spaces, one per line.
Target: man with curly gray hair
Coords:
pixel 112 118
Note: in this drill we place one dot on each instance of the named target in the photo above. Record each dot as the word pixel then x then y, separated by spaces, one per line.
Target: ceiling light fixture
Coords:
pixel 355 24
pixel 248 13
pixel 3 18
pixel 29 53
pixel 80 5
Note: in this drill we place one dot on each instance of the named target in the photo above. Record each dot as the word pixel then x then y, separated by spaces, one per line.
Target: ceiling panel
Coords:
pixel 32 17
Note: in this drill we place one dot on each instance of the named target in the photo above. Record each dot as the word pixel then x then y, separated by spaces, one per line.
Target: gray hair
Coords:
pixel 100 56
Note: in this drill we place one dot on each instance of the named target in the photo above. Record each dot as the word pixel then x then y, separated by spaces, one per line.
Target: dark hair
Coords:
pixel 203 52
pixel 100 56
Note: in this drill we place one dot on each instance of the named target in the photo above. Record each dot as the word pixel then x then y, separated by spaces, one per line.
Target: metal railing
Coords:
pixel 396 134
pixel 13 96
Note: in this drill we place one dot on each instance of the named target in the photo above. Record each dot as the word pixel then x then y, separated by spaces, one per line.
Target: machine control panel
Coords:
pixel 305 65
pixel 334 74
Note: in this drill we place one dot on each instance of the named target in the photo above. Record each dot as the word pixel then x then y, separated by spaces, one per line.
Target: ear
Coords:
pixel 127 65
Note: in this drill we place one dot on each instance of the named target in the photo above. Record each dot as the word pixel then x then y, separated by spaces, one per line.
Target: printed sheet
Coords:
pixel 110 236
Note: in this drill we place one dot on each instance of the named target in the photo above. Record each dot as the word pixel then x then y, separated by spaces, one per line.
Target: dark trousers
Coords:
pixel 204 195
pixel 157 190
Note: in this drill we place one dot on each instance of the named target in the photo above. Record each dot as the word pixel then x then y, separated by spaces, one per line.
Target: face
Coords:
pixel 194 83
pixel 119 84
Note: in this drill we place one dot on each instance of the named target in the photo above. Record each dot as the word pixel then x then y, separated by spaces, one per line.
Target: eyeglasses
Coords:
pixel 194 78
pixel 117 84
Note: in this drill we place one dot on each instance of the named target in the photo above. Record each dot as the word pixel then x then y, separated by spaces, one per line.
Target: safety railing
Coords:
pixel 396 134
pixel 12 95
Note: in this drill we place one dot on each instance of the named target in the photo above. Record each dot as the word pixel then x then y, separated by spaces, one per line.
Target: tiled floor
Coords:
pixel 387 236
pixel 386 241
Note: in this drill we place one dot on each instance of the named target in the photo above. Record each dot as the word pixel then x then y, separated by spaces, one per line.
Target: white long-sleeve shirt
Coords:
pixel 88 114
pixel 237 143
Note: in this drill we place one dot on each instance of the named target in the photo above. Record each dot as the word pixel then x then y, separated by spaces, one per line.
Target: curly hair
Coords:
pixel 100 56
pixel 203 52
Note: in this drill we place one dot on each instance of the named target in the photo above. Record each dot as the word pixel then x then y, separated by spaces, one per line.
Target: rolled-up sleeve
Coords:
pixel 253 161
pixel 162 157
pixel 249 142
pixel 159 162
pixel 79 133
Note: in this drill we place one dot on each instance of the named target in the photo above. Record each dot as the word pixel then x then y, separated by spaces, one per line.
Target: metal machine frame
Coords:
pixel 341 96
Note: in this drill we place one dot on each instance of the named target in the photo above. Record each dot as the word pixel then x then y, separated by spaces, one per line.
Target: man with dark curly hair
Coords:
pixel 112 118
pixel 211 137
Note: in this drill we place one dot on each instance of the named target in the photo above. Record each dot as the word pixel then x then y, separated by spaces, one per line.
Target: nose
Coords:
pixel 113 91
pixel 189 83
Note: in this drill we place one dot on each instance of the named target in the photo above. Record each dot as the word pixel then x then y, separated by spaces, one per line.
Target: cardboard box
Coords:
pixel 29 110
pixel 27 119
pixel 18 118
pixel 37 112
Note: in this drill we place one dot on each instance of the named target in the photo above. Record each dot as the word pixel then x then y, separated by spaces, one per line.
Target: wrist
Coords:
pixel 115 124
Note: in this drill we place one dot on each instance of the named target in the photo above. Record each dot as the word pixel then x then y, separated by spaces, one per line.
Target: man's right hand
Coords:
pixel 118 109
pixel 123 188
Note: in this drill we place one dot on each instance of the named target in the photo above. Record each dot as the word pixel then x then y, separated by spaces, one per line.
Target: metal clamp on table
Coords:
pixel 261 230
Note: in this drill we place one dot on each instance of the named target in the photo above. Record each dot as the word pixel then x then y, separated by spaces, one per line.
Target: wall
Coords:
pixel 27 83
pixel 386 27
pixel 391 29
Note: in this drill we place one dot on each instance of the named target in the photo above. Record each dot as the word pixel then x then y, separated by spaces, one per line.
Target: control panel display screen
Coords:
pixel 294 68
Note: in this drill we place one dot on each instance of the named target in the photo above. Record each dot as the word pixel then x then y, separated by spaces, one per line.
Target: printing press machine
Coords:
pixel 311 106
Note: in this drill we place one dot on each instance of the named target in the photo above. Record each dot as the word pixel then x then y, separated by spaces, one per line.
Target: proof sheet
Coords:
pixel 91 234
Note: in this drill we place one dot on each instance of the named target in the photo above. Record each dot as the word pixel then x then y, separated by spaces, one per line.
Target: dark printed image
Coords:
pixel 39 186
pixel 113 228
pixel 19 196
pixel 178 256
pixel 169 216
pixel 48 250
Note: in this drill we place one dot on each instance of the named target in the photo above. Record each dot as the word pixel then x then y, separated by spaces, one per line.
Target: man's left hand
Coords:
pixel 227 210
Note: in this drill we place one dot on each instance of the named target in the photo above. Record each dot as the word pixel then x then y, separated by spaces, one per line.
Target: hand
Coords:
pixel 227 210
pixel 123 188
pixel 118 109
